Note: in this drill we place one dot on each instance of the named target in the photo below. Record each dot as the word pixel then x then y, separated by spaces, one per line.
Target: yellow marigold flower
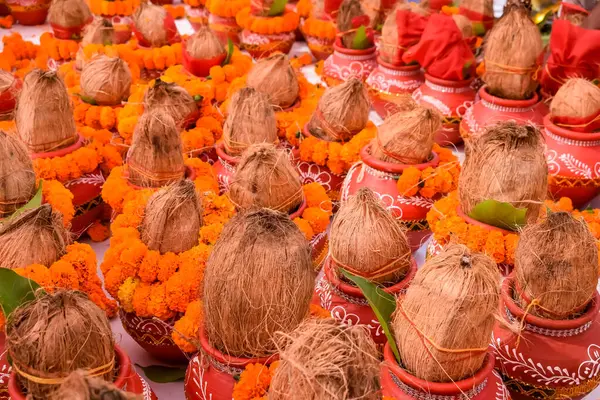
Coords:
pixel 126 292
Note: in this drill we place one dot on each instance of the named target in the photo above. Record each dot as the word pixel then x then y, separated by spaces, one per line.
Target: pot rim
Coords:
pixel 300 210
pixel 231 360
pixel 447 83
pixel 60 152
pixel 337 46
pixel 394 168
pixel 567 133
pixel 221 153
pixel 487 227
pixel 498 101
pixel 405 68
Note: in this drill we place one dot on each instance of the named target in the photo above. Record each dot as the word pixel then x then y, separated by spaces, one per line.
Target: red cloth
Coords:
pixel 442 51
pixel 436 5
pixel 410 28
pixel 574 52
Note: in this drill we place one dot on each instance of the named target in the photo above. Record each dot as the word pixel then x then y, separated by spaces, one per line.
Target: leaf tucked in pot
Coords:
pixel 163 374
pixel 15 290
pixel 499 214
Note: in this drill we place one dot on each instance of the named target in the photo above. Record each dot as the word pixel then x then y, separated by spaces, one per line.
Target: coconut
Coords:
pixel 342 112
pixel 465 26
pixel 155 157
pixel 56 334
pixel 511 55
pixel 265 177
pixel 106 81
pixel 79 386
pixel 204 44
pixel 275 77
pixel 444 323
pixel 507 164
pixel 17 178
pixel 374 9
pixel 258 281
pixel 250 120
pixel 407 137
pixel 483 7
pixel 149 22
pixel 99 31
pixel 349 9
pixel 323 359
pixel 577 99
pixel 172 98
pixel 44 115
pixel 69 13
pixel 556 263
pixel 390 50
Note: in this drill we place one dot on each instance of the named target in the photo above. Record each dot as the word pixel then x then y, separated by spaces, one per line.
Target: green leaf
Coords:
pixel 478 29
pixel 499 214
pixel 198 98
pixel 163 374
pixel 382 303
pixel 361 41
pixel 87 99
pixel 229 54
pixel 35 202
pixel 277 8
pixel 15 290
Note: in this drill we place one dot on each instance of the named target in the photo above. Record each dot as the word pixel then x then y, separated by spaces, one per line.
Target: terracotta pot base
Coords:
pixel 262 46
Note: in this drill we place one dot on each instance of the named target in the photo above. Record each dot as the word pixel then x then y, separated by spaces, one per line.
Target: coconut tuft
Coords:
pixel 250 120
pixel 69 13
pixel 484 7
pixel 342 112
pixel 577 99
pixel 444 323
pixel 349 9
pixel 106 80
pixel 56 334
pixel 275 77
pixel 265 177
pixel 44 115
pixel 407 137
pixel 323 359
pixel 204 44
pixel 465 26
pixel 173 218
pixel 507 164
pixel 148 20
pixel 511 55
pixel 17 178
pixel 155 157
pixel 556 263
pixel 390 50
pixel 79 386
pixel 258 280
pixel 99 31
pixel 172 98
pixel 35 236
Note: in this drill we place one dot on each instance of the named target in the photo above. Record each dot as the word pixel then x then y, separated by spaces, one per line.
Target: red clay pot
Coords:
pixel 490 110
pixel 224 167
pixel 69 33
pixel 347 63
pixel 451 99
pixel 200 66
pixel 29 12
pixel 573 163
pixel 382 178
pixel 397 383
pixel 8 99
pixel 4 369
pixel 170 29
pixel 197 16
pixel 4 11
pixel 387 81
pixel 122 25
pixel 348 305
pixel 555 359
pixel 320 48
pixel 224 28
pixel 262 46
pixel 162 2
pixel 211 374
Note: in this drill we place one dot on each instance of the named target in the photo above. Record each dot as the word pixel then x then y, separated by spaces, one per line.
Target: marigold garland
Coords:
pixel 254 382
pixel 304 8
pixel 58 49
pixel 185 330
pixel 7 22
pixel 226 8
pixel 195 3
pixel 177 12
pixel 317 311
pixel 287 22
pixel 319 28
pixel 110 8
pixel 60 199
pixel 97 117
pixel 318 211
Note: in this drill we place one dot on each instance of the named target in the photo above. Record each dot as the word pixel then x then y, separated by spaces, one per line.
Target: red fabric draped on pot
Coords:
pixel 347 63
pixel 549 359
pixel 486 21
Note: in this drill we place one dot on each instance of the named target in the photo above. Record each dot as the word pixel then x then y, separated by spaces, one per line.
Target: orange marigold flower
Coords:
pixel 408 182
pixel 185 332
pixel 157 303
pixel 304 227
pixel 316 196
pixel 63 275
pixel 148 271
pixel 319 312
pixel 37 273
pixel 317 218
pixel 141 298
pixel 98 232
pixel 510 241
pixel 168 264
pixel 494 246
pixel 254 383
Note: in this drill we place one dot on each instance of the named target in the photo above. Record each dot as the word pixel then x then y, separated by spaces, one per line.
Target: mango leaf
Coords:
pixel 361 41
pixel 277 8
pixel 15 290
pixel 163 374
pixel 467 69
pixel 229 54
pixel 478 29
pixel 499 214
pixel 87 99
pixel 35 202
pixel 382 303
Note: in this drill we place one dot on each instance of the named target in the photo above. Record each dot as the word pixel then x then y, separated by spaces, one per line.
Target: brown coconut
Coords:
pixel 99 31
pixel 250 120
pixel 323 359
pixel 275 77
pixel 389 49
pixel 56 334
pixel 265 177
pixel 465 26
pixel 17 178
pixel 79 386
pixel 106 80
pixel 556 262
pixel 258 281
pixel 7 84
pixel 148 20
pixel 44 115
pixel 512 51
pixel 577 98
pixel 69 13
pixel 204 44
pixel 485 7
pixel 36 236
pixel 172 98
pixel 407 137
pixel 367 240
pixel 342 112
pixel 451 303
pixel 173 218
pixel 155 157
pixel 506 163
pixel 349 9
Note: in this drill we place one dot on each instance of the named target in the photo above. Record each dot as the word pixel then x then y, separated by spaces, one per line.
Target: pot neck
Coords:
pixel 505 105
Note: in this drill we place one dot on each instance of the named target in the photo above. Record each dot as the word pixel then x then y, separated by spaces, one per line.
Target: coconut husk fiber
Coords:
pixel 349 9
pixel 35 236
pixel 69 13
pixel 512 52
pixel 148 20
pixel 275 77
pixel 258 280
pixel 556 263
pixel 172 98
pixel 155 157
pixel 204 44
pixel 485 7
pixel 465 26
pixel 99 31
pixel 17 178
pixel 407 137
pixel 449 306
pixel 173 218
pixel 44 115
pixel 79 386
pixel 106 80
pixel 265 177
pixel 368 241
pixel 507 164
pixel 341 113
pixel 577 98
pixel 250 120
pixel 323 359
pixel 56 334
